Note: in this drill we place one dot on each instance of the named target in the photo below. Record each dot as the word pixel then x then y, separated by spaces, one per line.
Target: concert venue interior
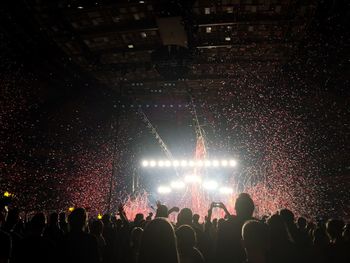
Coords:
pixel 107 102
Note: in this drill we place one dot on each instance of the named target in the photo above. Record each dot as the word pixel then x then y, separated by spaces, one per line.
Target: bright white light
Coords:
pixel 227 38
pixel 131 46
pixel 192 179
pixel 226 190
pixel 190 163
pixel 207 163
pixel 210 185
pixel 164 190
pixel 199 163
pixel 224 163
pixel 177 184
pixel 160 163
pixel 152 163
pixel 233 163
pixel 183 163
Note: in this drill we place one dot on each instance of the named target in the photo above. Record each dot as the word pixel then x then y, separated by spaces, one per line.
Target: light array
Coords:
pixel 188 163
pixel 209 185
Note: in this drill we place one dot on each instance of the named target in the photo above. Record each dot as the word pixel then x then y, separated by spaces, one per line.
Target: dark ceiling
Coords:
pixel 127 46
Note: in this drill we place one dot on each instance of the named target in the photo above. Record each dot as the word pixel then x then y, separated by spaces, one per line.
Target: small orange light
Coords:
pixel 71 209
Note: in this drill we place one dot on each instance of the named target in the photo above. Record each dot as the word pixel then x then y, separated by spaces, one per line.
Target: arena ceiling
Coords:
pixel 159 48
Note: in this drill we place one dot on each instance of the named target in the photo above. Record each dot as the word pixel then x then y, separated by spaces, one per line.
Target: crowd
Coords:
pixel 235 238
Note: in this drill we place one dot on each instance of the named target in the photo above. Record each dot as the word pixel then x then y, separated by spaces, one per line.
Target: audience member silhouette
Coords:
pixel 109 235
pixel 338 250
pixel 77 245
pixel 5 238
pixel 282 248
pixel 234 238
pixel 62 222
pixel 158 243
pixel 184 217
pixel 52 230
pixel 186 241
pixel 136 235
pixel 96 229
pixel 255 239
pixel 229 247
pixel 34 247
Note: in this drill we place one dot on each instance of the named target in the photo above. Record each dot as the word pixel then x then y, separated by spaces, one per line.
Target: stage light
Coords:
pixel 190 163
pixel 226 190
pixel 207 163
pixel 71 209
pixel 199 163
pixel 233 163
pixel 224 163
pixel 183 163
pixel 164 190
pixel 99 216
pixel 192 179
pixel 210 185
pixel 177 184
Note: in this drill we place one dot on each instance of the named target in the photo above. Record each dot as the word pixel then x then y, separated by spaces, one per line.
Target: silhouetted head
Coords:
pixel 38 223
pixel 96 227
pixel 184 217
pixel 106 219
pixel 162 211
pixel 320 237
pixel 62 217
pixel 255 237
pixel 287 216
pixel 278 230
pixel 53 219
pixel 244 206
pixel 335 229
pixel 138 218
pixel 195 218
pixel 136 235
pixel 77 219
pixel 186 237
pixel 12 218
pixel 158 243
pixel 301 223
pixel 3 212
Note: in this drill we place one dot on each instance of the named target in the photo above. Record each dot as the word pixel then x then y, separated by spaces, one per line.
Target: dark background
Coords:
pixel 59 123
